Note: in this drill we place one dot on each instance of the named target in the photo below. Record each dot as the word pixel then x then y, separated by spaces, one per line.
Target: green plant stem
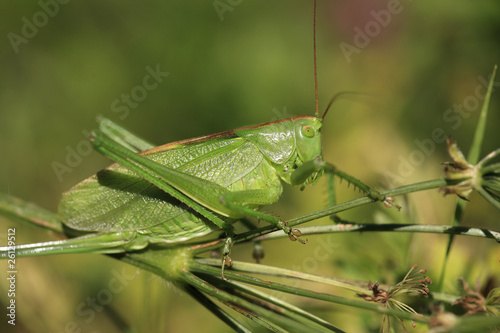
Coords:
pixel 421 228
pixel 263 317
pixel 247 267
pixel 195 266
pixel 491 168
pixel 472 158
pixel 30 214
pixel 354 286
pixel 212 307
pixel 422 186
pixel 292 311
pixel 489 198
pixel 477 141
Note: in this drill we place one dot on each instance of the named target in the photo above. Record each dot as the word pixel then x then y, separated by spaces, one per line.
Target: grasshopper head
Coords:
pixel 308 141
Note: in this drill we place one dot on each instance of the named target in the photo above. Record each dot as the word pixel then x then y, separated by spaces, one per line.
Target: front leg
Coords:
pixel 371 193
pixel 309 171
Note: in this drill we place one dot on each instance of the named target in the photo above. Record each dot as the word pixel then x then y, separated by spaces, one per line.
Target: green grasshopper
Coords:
pixel 186 189
pixel 174 193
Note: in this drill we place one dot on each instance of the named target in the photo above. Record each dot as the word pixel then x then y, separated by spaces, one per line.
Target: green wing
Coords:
pixel 116 199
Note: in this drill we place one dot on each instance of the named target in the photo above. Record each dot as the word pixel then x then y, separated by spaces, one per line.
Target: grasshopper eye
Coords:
pixel 308 131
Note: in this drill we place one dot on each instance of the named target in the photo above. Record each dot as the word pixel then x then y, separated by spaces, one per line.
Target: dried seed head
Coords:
pixel 412 283
pixel 467 177
pixel 475 301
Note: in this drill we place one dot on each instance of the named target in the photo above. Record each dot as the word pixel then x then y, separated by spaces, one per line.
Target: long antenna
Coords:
pixel 336 97
pixel 315 63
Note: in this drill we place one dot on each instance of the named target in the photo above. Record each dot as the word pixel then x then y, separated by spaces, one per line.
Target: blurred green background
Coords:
pixel 232 64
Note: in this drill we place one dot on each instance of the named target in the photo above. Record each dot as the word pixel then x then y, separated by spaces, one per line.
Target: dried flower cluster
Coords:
pixel 479 301
pixel 412 283
pixel 467 177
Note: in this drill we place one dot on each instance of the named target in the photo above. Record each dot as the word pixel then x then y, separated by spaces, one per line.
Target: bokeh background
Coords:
pixel 232 64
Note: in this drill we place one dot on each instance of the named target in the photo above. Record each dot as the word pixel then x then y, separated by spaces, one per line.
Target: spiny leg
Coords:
pixel 332 197
pixel 317 164
pixel 332 200
pixel 371 193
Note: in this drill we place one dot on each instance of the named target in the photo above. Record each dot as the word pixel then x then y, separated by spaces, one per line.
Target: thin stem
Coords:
pixel 212 307
pixel 472 158
pixel 292 311
pixel 489 198
pixel 489 157
pixel 490 168
pixel 195 266
pixel 30 214
pixel 477 141
pixel 413 228
pixel 365 200
pixel 427 185
pixel 257 313
pixel 277 271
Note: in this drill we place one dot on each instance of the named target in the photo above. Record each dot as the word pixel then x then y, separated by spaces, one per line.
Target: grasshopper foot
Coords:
pixel 293 233
pixel 390 202
pixel 387 201
pixel 226 259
